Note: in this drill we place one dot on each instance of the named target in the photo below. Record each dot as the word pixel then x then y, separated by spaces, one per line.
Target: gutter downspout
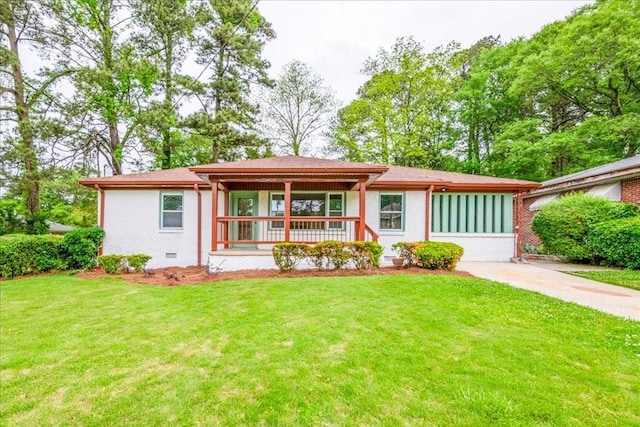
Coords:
pixel 101 215
pixel 427 214
pixel 199 228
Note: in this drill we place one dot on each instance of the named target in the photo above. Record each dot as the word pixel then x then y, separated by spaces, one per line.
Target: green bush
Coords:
pixel 427 254
pixel 288 255
pixel 616 242
pixel 112 264
pixel 82 247
pixel 364 255
pixel 26 254
pixel 438 255
pixel 36 224
pixel 138 261
pixel 563 225
pixel 11 219
pixel 407 251
pixel 116 263
pixel 329 255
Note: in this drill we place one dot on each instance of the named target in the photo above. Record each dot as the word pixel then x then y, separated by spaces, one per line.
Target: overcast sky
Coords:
pixel 336 37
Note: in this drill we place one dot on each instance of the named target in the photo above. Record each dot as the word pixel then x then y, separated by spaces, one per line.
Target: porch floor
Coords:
pixel 242 252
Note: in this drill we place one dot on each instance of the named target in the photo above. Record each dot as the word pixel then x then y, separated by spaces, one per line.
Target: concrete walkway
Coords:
pixel 611 299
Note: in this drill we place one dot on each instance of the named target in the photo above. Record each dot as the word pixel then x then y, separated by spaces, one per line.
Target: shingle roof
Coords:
pixel 610 172
pixel 286 162
pixel 405 174
pixel 178 176
pixel 381 176
pixel 609 168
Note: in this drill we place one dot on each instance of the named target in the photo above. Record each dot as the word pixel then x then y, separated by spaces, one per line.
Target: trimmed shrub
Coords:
pixel 616 242
pixel 431 255
pixel 26 254
pixel 563 224
pixel 438 255
pixel 364 255
pixel 116 263
pixel 138 261
pixel 82 247
pixel 329 255
pixel 407 251
pixel 112 264
pixel 288 255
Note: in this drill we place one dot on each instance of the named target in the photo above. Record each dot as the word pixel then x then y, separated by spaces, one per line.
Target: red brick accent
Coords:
pixel 527 235
pixel 631 190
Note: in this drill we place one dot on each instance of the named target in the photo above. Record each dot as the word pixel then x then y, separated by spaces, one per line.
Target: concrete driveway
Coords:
pixel 611 299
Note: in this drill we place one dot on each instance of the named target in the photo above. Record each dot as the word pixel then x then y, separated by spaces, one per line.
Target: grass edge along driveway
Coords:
pixel 392 350
pixel 625 278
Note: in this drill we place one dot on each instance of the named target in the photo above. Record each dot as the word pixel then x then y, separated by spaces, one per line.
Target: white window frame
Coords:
pixel 163 210
pixel 401 212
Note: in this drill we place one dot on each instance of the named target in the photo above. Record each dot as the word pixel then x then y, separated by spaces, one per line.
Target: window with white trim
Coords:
pixel 392 211
pixel 308 204
pixel 171 204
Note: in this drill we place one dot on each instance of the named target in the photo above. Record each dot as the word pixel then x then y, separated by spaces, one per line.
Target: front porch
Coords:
pixel 262 232
pixel 255 208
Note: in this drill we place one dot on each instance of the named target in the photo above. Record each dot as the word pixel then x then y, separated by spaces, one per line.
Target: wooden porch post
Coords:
pixel 363 201
pixel 427 214
pixel 287 210
pixel 226 224
pixel 214 216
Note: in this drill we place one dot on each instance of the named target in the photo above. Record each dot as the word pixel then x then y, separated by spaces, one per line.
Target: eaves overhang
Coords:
pixel 586 182
pixel 129 184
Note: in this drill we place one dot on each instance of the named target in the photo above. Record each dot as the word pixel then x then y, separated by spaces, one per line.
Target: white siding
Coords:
pixel 414 219
pixel 132 225
pixel 481 247
pixel 477 247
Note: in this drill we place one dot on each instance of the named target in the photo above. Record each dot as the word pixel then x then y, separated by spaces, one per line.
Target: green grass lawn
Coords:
pixel 626 278
pixel 377 350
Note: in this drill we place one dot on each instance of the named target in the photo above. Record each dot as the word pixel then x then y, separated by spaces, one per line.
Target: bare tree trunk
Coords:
pixel 168 88
pixel 25 128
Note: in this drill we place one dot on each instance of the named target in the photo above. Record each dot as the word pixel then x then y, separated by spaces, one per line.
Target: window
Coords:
pixel 391 211
pixel 472 213
pixel 308 204
pixel 171 211
pixel 335 209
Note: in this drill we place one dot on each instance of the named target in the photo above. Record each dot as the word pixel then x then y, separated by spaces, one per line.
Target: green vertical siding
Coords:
pixel 472 213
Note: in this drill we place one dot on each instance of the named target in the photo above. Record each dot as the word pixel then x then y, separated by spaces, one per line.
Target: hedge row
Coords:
pixel 431 255
pixel 616 242
pixel 328 255
pixel 564 225
pixel 26 254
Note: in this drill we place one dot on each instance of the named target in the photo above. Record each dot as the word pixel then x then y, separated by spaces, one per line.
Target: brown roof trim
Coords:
pixel 452 186
pixel 110 183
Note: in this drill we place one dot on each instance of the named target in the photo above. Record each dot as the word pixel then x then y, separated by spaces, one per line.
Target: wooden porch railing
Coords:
pixel 245 230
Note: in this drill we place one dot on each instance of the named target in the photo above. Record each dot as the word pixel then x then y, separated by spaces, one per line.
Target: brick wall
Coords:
pixel 631 190
pixel 527 235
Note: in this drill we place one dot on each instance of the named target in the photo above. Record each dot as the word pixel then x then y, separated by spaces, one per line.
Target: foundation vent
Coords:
pixel 171 255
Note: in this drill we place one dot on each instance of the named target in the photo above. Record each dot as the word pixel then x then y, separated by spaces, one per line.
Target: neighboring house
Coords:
pixel 54 227
pixel 57 228
pixel 618 181
pixel 169 214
